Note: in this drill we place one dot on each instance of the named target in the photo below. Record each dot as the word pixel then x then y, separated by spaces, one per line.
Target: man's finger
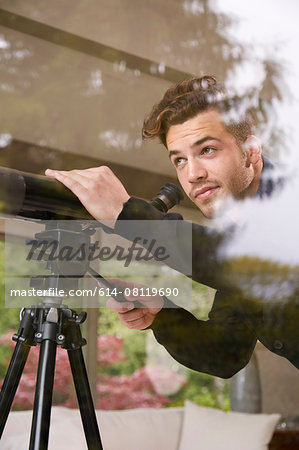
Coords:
pixel 71 176
pixel 114 305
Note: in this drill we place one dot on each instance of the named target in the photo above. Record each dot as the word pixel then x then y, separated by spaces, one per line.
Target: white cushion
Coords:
pixel 212 429
pixel 141 429
pixel 146 429
pixel 65 430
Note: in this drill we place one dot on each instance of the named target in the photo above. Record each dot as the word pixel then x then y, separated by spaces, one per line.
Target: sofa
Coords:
pixel 191 427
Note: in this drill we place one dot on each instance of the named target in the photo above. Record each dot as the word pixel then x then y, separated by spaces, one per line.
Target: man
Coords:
pixel 216 158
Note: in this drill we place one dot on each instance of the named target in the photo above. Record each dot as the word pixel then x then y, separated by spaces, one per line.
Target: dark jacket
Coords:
pixel 222 345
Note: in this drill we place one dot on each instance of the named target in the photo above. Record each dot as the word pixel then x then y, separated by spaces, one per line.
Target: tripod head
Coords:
pixel 64 246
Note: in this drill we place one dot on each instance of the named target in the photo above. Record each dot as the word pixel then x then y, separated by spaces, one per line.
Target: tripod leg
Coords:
pixel 43 396
pixel 84 397
pixel 24 338
pixel 11 381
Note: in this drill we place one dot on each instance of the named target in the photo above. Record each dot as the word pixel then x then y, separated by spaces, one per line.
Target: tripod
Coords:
pixel 49 324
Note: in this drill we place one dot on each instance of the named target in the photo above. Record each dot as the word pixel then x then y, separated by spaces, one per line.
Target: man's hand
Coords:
pixel 131 317
pixel 98 189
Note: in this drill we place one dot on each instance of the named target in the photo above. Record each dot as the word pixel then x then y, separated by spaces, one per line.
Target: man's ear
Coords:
pixel 253 149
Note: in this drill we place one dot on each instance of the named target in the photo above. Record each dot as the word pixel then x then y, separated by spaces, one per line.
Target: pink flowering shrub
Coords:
pixel 138 390
pixel 147 387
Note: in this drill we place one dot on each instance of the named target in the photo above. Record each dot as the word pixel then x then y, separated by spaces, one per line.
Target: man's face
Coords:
pixel 209 163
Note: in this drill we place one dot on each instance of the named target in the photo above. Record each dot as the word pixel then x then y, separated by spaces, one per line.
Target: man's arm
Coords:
pixel 191 243
pixel 220 346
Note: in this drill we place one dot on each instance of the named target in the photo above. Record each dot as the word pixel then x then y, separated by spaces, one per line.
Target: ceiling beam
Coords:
pixel 87 46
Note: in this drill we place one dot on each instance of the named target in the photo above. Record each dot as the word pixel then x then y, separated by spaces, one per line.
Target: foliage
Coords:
pixel 145 387
pixel 9 317
pixel 133 344
pixel 204 390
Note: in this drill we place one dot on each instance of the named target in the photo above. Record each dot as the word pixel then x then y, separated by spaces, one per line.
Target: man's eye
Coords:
pixel 208 150
pixel 179 161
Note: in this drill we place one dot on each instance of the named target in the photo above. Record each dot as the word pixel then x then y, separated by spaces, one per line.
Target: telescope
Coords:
pixel 38 197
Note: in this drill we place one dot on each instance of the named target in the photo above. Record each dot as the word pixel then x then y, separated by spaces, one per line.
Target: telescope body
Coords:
pixel 38 197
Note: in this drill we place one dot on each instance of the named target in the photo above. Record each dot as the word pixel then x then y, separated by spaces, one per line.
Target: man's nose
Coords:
pixel 196 171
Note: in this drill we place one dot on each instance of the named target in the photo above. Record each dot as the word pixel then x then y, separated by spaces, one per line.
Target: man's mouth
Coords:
pixel 205 192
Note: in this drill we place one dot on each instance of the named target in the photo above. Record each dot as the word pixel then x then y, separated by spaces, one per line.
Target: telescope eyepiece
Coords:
pixel 168 196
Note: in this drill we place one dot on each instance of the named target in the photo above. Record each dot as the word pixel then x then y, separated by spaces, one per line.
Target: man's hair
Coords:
pixel 191 97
